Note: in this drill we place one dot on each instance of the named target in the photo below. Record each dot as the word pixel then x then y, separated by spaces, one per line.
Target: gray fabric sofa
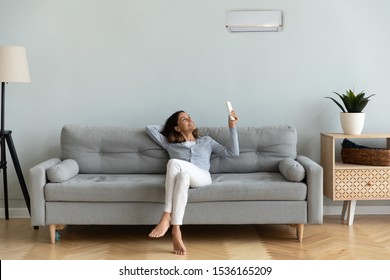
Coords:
pixel 115 176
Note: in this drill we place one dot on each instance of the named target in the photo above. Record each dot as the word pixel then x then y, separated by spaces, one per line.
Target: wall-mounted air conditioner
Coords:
pixel 254 21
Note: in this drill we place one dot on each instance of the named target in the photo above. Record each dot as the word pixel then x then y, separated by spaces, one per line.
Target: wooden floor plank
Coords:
pixel 367 239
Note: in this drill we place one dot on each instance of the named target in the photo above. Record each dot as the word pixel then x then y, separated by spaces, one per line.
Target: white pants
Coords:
pixel 181 175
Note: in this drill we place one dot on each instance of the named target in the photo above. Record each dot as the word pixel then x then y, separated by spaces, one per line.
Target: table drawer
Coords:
pixel 361 184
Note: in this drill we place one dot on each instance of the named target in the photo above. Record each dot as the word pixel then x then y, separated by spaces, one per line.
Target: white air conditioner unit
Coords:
pixel 254 21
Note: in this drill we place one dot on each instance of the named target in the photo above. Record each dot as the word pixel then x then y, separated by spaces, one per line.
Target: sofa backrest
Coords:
pixel 112 150
pixel 119 150
pixel 261 148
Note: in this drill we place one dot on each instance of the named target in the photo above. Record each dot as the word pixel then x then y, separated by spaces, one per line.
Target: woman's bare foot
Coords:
pixel 162 227
pixel 178 245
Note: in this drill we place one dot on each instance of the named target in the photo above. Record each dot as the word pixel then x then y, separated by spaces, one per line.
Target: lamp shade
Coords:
pixel 13 64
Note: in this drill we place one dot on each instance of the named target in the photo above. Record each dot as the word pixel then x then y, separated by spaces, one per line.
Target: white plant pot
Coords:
pixel 352 123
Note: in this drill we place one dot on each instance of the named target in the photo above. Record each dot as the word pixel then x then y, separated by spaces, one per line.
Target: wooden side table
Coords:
pixel 352 182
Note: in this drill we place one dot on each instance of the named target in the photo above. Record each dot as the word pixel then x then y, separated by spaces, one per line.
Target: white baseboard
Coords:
pixel 328 210
pixel 15 213
pixel 360 210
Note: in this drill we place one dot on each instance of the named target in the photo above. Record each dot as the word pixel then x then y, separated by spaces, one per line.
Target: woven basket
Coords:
pixel 369 156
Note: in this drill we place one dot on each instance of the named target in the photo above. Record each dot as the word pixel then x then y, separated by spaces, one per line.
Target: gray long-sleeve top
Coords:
pixel 198 154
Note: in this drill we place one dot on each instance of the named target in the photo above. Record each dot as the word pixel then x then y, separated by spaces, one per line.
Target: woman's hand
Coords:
pixel 232 123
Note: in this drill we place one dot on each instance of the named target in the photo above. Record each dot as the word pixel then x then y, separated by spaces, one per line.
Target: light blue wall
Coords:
pixel 133 62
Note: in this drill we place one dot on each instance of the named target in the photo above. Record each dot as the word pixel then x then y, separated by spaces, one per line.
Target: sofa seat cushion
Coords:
pixel 250 186
pixel 150 188
pixel 108 188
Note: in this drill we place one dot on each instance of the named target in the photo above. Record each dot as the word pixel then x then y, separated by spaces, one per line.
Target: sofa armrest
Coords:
pixel 37 180
pixel 314 181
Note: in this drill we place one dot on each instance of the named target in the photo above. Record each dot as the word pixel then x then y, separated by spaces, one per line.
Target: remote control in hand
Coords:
pixel 230 109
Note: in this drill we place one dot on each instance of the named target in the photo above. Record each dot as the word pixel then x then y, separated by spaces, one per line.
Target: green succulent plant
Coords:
pixel 352 103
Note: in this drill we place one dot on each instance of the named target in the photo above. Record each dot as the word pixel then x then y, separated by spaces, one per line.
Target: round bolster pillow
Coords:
pixel 292 170
pixel 63 171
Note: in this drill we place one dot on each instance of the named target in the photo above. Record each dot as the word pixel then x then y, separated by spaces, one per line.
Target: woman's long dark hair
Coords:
pixel 171 133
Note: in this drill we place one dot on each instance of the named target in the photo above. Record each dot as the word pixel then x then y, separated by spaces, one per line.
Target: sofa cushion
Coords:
pixel 150 188
pixel 63 171
pixel 261 148
pixel 292 170
pixel 112 150
pixel 115 150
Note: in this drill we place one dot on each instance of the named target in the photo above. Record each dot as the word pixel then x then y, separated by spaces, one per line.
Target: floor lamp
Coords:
pixel 13 68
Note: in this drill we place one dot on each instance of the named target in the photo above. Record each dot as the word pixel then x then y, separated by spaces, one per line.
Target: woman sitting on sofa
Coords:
pixel 188 166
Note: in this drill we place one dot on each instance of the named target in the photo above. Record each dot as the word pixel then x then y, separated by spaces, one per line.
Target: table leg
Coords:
pixel 346 205
pixel 348 212
pixel 351 212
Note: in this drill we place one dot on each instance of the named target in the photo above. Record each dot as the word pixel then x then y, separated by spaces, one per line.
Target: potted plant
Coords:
pixel 352 116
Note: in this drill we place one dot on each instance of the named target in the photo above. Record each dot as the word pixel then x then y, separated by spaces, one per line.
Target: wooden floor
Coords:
pixel 367 239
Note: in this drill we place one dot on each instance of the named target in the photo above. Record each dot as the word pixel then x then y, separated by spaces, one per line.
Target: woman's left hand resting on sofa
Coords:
pixel 188 166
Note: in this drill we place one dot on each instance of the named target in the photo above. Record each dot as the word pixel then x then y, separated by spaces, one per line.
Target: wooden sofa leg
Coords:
pixel 300 228
pixel 299 231
pixel 55 232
